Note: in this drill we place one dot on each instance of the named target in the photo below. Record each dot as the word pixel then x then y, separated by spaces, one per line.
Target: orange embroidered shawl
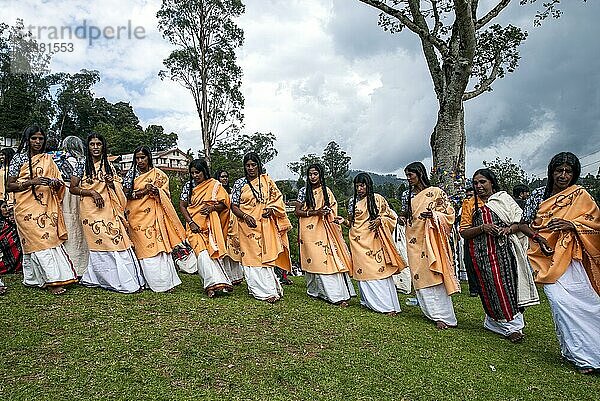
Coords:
pixel 104 228
pixel 267 244
pixel 576 205
pixel 374 254
pixel 322 246
pixel 40 222
pixel 428 241
pixel 232 241
pixel 153 223
pixel 213 228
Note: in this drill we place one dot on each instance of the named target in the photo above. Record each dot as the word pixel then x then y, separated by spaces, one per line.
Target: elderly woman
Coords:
pixel 323 253
pixel 112 263
pixel 563 222
pixel 262 229
pixel 72 154
pixel 36 181
pixel 204 204
pixel 429 216
pixel 498 251
pixel 375 258
pixel 155 228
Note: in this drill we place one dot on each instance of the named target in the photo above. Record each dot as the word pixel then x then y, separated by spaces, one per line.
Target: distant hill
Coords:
pixel 380 179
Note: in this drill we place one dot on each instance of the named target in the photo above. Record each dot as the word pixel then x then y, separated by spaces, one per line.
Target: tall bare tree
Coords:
pixel 465 53
pixel 204 61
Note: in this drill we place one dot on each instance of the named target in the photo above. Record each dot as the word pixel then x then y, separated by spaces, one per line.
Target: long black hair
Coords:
pixel 364 178
pixel 218 178
pixel 90 170
pixel 146 151
pixel 259 167
pixel 491 176
pixel 562 158
pixel 200 165
pixel 417 168
pixel 310 197
pixel 24 147
pixel 8 155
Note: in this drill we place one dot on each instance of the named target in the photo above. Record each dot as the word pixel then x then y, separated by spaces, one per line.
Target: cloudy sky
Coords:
pixel 322 70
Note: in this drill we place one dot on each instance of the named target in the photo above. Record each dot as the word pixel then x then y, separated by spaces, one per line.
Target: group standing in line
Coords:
pixel 122 234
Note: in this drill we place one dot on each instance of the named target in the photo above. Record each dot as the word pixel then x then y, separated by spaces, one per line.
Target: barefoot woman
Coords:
pixel 204 204
pixel 112 263
pixel 324 254
pixel 262 226
pixel 429 217
pixel 155 228
pixel 563 222
pixel 36 182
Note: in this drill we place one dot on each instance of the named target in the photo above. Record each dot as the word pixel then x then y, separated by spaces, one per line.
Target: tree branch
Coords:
pixel 493 13
pixel 436 15
pixel 484 85
pixel 422 31
pixel 431 57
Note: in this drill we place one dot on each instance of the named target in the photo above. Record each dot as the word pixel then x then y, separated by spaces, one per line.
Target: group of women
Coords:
pixel 124 232
pixel 554 241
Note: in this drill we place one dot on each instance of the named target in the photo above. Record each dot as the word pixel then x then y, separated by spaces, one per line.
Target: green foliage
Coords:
pixel 25 99
pixel 592 184
pixel 301 166
pixel 287 189
pixel 25 81
pixel 228 154
pixel 204 61
pixel 157 140
pixel 120 127
pixel 176 181
pixel 75 104
pixel 388 190
pixel 395 204
pixel 336 164
pixel 293 238
pixel 508 173
pixel 182 346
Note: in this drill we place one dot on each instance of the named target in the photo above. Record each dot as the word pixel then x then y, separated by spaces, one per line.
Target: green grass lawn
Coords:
pixel 95 344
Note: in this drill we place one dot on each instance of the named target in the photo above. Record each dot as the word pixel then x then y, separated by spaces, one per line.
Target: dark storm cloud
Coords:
pixel 356 33
pixel 553 95
pixel 557 81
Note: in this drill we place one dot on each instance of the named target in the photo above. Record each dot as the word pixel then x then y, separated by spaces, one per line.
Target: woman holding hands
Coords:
pixel 112 263
pixel 155 228
pixel 324 255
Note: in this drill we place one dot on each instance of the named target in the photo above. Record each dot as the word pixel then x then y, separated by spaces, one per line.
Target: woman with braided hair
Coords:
pixel 429 217
pixel 112 264
pixel 262 227
pixel 204 204
pixel 36 181
pixel 324 255
pixel 563 222
pixel 155 228
pixel 374 255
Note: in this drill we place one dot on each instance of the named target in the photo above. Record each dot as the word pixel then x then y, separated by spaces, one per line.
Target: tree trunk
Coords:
pixel 448 148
